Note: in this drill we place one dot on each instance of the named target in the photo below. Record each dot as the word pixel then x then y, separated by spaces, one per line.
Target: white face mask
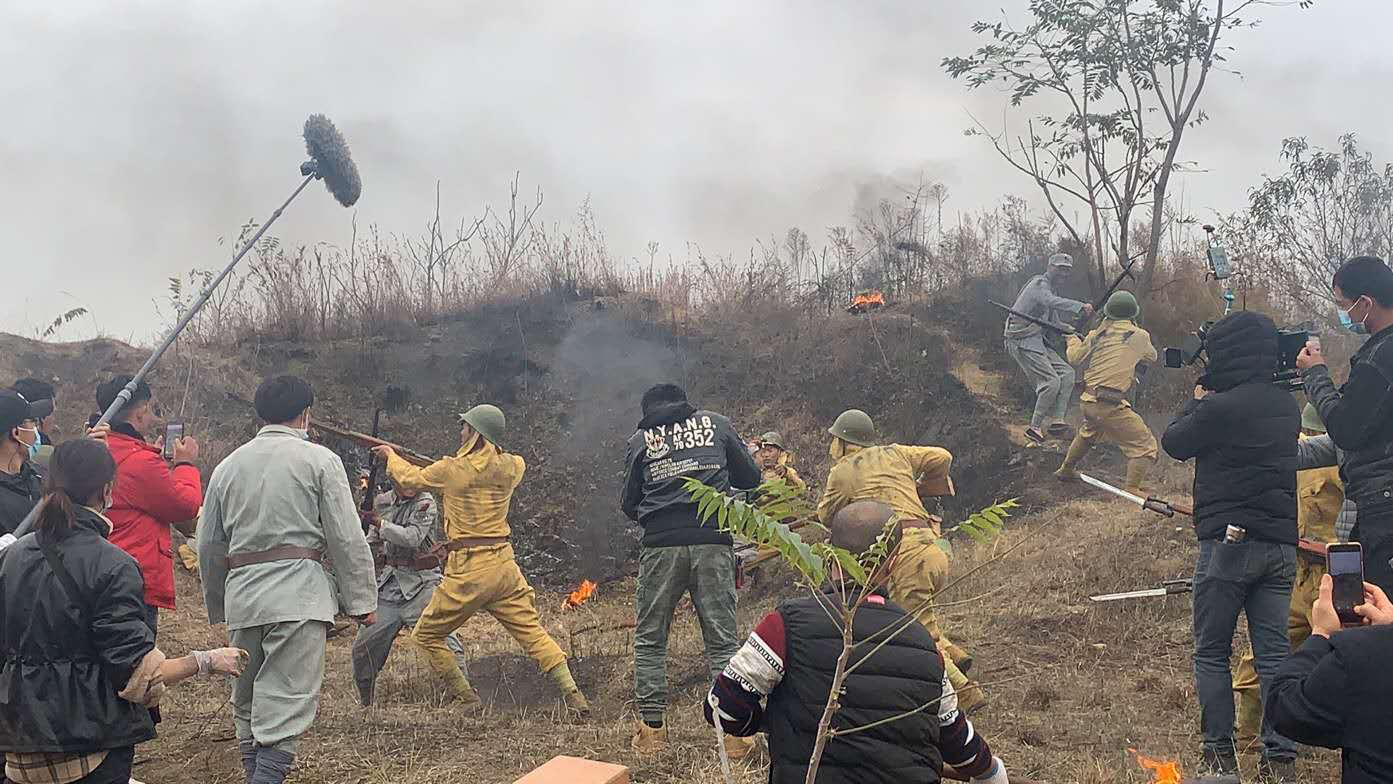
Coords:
pixel 32 446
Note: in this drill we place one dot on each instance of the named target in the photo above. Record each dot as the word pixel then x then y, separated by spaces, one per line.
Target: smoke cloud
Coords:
pixel 134 141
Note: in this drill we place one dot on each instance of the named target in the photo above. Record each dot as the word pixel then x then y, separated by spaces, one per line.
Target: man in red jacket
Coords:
pixel 151 495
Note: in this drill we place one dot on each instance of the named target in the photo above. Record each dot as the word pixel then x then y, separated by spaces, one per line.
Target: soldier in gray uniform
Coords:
pixel 1051 374
pixel 407 524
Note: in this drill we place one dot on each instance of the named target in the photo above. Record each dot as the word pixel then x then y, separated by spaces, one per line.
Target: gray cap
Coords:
pixel 1062 260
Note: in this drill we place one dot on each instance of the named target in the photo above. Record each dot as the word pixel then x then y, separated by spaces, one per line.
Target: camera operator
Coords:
pixel 1242 431
pixel 1359 415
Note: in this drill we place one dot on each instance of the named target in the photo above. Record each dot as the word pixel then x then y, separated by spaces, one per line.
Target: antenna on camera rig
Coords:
pixel 1219 266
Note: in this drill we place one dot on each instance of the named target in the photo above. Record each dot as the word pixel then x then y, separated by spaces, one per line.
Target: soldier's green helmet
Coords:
pixel 1122 305
pixel 488 421
pixel 854 426
pixel 1310 419
pixel 772 438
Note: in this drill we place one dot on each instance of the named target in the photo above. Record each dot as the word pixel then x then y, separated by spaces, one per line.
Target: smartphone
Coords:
pixel 172 432
pixel 1345 563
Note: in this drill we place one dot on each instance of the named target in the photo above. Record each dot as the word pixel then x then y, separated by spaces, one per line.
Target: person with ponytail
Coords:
pixel 73 625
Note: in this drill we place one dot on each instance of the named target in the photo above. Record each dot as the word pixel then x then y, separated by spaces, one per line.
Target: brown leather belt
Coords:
pixel 419 563
pixel 285 553
pixel 1313 552
pixel 473 541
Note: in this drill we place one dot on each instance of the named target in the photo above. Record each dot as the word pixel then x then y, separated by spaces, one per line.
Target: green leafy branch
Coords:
pixel 761 523
pixel 982 526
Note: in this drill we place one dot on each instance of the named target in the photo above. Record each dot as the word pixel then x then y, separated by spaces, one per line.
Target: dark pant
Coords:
pixel 1255 578
pixel 707 572
pixel 1373 530
pixel 115 769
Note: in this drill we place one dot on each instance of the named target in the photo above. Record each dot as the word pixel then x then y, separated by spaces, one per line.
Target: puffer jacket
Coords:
pixel 60 671
pixel 1359 419
pixel 898 680
pixel 672 444
pixel 150 497
pixel 18 494
pixel 1242 435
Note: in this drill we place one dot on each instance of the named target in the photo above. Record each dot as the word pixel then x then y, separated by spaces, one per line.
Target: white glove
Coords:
pixel 7 540
pixel 997 775
pixel 223 661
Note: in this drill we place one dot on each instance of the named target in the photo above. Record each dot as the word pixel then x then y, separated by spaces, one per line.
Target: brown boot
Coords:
pixel 959 656
pixel 738 748
pixel 971 699
pixel 576 703
pixel 1136 473
pixel 648 740
pixel 1069 469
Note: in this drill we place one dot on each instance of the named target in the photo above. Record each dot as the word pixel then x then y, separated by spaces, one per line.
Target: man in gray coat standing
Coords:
pixel 274 510
pixel 1051 374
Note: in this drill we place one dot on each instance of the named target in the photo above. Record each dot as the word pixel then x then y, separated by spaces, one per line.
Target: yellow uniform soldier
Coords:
pixel 1109 358
pixel 895 474
pixel 1319 497
pixel 774 461
pixel 476 487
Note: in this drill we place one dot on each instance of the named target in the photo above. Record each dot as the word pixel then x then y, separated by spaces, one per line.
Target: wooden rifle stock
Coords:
pixel 363 439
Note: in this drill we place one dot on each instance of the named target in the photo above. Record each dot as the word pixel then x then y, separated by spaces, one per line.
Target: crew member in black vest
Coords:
pixel 789 660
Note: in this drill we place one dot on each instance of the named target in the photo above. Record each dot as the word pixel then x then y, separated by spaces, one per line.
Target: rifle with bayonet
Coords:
pixel 1039 322
pixel 1150 504
pixel 1085 320
pixel 365 440
pixel 1168 588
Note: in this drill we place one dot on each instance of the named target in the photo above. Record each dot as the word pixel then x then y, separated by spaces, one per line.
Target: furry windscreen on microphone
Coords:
pixel 332 160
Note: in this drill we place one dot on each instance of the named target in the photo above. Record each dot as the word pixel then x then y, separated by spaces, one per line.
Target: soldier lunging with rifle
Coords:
pixel 1025 343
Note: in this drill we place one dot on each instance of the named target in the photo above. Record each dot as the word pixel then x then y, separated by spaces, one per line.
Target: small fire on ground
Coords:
pixel 580 595
pixel 866 300
pixel 1162 771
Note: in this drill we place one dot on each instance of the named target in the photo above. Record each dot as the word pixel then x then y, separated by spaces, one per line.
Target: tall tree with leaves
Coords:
pixel 1117 83
pixel 1328 206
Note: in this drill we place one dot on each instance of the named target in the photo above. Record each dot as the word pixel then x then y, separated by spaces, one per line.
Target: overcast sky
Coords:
pixel 137 134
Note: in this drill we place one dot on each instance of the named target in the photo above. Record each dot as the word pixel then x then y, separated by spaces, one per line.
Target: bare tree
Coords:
pixel 1328 206
pixel 1114 67
pixel 507 240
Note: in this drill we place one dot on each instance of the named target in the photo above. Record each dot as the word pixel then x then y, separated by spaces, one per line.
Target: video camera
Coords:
pixel 1289 341
pixel 1289 344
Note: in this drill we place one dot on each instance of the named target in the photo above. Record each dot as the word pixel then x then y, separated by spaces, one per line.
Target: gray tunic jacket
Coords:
pixel 1037 298
pixel 410 528
pixel 1321 452
pixel 280 489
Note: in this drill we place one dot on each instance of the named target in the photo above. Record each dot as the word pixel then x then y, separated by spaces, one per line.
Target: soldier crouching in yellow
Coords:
pixel 476 487
pixel 1109 358
pixel 894 474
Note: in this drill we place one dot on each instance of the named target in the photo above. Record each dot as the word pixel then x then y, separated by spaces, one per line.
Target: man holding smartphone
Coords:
pixel 1335 691
pixel 1359 414
pixel 153 492
pixel 1242 430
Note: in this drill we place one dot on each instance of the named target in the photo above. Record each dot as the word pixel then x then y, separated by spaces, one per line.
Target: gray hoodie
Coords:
pixel 1037 298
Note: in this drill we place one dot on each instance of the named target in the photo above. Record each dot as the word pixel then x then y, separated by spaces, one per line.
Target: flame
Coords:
pixel 580 595
pixel 866 300
pixel 1162 771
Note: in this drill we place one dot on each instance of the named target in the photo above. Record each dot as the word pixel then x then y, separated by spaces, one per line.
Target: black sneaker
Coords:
pixel 1034 436
pixel 1059 430
pixel 1220 762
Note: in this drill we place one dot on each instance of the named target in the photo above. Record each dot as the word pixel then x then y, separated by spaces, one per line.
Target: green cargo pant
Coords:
pixel 707 571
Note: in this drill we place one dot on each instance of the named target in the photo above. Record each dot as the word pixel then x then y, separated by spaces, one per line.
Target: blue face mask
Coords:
pixel 1348 321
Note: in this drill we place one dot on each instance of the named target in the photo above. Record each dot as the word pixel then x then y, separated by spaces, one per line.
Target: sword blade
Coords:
pixel 1113 597
pixel 1117 491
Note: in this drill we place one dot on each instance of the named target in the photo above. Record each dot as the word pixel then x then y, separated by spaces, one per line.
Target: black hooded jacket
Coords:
pixel 62 665
pixel 1242 435
pixel 18 494
pixel 674 443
